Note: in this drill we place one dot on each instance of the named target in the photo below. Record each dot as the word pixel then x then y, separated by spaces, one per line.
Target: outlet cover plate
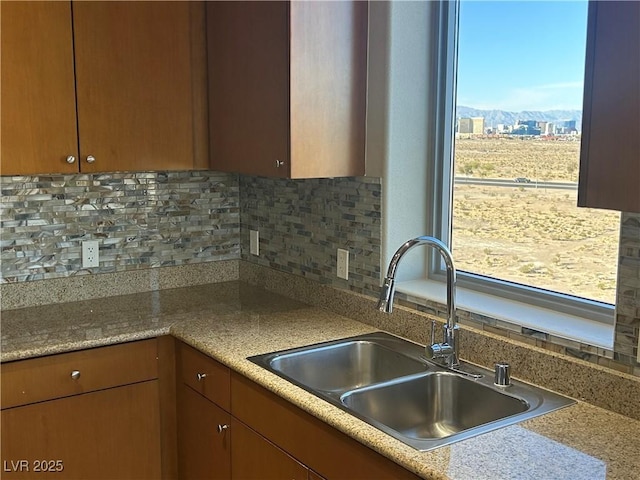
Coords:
pixel 90 254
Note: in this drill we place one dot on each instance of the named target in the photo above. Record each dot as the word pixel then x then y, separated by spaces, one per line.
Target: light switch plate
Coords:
pixel 254 242
pixel 343 264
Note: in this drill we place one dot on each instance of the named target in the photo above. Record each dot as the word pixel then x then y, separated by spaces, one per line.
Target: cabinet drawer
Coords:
pixel 204 375
pixel 56 376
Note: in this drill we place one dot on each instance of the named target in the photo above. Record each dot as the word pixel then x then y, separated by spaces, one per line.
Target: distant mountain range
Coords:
pixel 494 117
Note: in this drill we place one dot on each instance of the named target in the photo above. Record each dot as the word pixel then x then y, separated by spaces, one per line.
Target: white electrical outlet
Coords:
pixel 90 254
pixel 343 264
pixel 254 242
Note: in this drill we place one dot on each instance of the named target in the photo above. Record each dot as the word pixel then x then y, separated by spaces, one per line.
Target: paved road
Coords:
pixel 500 182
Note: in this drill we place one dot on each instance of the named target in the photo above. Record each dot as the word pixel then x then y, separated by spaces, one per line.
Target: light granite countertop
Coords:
pixel 232 321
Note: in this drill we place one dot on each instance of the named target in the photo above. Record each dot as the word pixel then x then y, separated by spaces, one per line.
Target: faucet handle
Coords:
pixel 433 331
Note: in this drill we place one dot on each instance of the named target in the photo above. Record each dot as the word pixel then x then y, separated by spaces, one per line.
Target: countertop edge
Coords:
pixel 72 346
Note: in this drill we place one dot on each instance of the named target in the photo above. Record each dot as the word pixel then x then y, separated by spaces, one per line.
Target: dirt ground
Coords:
pixel 534 236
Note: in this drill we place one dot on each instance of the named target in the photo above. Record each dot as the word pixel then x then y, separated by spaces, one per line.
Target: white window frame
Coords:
pixel 412 144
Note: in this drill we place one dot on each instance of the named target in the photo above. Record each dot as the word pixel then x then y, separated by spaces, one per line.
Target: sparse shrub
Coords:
pixel 527 268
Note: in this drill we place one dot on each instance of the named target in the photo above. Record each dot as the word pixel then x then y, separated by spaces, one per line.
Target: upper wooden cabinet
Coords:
pixel 38 101
pixel 139 86
pixel 610 152
pixel 287 87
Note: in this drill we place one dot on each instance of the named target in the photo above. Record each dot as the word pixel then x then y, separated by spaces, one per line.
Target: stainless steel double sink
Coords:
pixel 386 381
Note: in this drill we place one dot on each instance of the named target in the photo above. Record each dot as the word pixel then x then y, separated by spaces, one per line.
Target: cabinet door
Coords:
pixel 248 48
pixel 203 450
pixel 110 434
pixel 140 85
pixel 610 153
pixel 38 105
pixel 254 457
pixel 328 88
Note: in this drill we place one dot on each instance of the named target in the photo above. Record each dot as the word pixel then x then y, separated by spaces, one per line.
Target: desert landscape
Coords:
pixel 529 234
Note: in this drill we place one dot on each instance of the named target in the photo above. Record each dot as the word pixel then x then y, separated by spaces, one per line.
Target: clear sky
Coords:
pixel 522 55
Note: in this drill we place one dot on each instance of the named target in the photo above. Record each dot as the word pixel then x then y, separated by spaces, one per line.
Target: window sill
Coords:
pixel 560 325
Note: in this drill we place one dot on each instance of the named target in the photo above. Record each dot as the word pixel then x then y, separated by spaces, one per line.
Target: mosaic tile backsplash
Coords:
pixel 146 220
pixel 141 220
pixel 628 293
pixel 302 223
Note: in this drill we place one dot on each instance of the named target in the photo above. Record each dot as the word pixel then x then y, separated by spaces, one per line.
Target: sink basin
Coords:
pixel 386 381
pixel 434 406
pixel 345 365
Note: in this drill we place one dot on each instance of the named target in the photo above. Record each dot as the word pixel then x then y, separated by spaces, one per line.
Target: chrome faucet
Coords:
pixel 448 349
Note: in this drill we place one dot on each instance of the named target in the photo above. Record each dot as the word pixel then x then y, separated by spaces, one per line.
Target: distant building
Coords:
pixel 465 125
pixel 528 123
pixel 549 129
pixel 478 125
pixel 569 126
pixel 474 125
pixel 526 127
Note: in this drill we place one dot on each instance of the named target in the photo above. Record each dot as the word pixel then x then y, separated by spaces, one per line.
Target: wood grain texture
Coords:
pixel 38 103
pixel 328 88
pixel 254 457
pixel 167 381
pixel 203 452
pixel 199 87
pixel 110 434
pixel 610 150
pixel 134 85
pixel 45 378
pixel 320 447
pixel 287 81
pixel 215 385
pixel 314 476
pixel 248 48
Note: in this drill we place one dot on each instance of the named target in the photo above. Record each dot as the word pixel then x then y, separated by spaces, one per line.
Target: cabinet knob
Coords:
pixel 201 376
pixel 71 159
pixel 279 163
pixel 75 374
pixel 91 159
pixel 222 427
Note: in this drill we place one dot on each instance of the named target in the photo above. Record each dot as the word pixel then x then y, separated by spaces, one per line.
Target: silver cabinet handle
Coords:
pixel 91 159
pixel 279 163
pixel 201 376
pixel 222 428
pixel 75 374
pixel 71 159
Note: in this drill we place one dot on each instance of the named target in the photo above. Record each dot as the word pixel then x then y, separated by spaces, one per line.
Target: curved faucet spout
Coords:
pixel 449 348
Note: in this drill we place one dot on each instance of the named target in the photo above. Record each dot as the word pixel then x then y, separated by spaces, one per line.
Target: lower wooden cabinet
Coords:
pixel 253 456
pixel 110 434
pixel 80 416
pixel 204 440
pixel 320 447
pixel 159 409
pixel 261 436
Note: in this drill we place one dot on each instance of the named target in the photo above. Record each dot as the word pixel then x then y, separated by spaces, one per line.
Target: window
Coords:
pixel 508 146
pixel 411 146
